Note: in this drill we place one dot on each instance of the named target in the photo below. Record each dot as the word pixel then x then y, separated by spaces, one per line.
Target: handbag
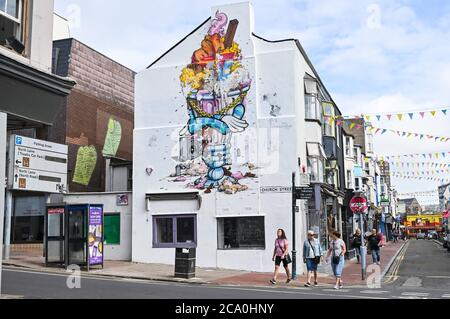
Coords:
pixel 288 256
pixel 316 258
pixel 336 259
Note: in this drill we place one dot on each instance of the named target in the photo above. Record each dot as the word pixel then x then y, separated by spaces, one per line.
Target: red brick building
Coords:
pixel 97 122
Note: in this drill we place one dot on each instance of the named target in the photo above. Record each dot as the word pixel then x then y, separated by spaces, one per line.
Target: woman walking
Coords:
pixel 356 244
pixel 312 256
pixel 337 250
pixel 281 254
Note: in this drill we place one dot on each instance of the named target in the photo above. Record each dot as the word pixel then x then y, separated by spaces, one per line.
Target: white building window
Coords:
pixel 316 160
pixel 357 184
pixel 312 107
pixel 348 147
pixel 349 179
pixel 312 103
pixel 369 143
pixel 329 127
pixel 241 233
pixel 175 231
pixel 10 22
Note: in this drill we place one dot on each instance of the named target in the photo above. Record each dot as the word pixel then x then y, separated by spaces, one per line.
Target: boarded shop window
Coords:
pixel 175 231
pixel 112 229
pixel 241 233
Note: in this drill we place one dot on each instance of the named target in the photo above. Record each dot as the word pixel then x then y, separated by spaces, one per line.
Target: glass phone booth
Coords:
pixel 75 235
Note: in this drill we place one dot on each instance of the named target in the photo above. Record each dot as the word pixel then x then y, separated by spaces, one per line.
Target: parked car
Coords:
pixel 420 236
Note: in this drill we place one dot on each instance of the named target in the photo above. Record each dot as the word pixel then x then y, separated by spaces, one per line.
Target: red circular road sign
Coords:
pixel 358 204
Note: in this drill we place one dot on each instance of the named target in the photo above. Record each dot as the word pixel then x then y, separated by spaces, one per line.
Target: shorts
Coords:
pixel 311 264
pixel 278 261
pixel 337 269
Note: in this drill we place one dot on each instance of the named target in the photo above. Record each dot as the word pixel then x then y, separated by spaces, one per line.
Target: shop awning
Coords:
pixel 31 97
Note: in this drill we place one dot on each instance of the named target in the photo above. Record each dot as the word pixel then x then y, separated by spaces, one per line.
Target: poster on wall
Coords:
pixel 95 236
pixel 122 200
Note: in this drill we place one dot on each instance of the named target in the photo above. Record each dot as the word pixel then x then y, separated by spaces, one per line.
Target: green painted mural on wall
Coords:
pixel 113 138
pixel 85 165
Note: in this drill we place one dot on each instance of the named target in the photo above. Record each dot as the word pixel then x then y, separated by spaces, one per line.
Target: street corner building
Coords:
pixel 220 126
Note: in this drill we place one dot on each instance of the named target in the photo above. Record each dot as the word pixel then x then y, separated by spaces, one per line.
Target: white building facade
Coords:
pixel 219 130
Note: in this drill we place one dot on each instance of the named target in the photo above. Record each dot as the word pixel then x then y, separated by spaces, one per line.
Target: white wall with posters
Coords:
pixel 231 148
pixel 116 206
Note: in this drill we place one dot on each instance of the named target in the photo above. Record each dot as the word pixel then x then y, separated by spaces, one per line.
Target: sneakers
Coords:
pixel 273 282
pixel 288 281
pixel 308 285
pixel 336 287
pixel 316 284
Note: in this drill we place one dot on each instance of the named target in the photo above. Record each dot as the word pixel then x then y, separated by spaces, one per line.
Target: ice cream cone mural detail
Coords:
pixel 216 85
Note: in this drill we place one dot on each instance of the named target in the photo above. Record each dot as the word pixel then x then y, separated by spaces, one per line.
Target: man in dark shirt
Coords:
pixel 374 242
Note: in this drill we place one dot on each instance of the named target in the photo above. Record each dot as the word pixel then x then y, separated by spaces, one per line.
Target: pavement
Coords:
pixel 417 271
pixel 32 260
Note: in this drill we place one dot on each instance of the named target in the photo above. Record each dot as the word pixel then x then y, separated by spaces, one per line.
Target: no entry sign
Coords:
pixel 358 204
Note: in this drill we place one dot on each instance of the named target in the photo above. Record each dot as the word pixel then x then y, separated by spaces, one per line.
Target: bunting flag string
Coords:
pixel 413 165
pixel 422 193
pixel 411 115
pixel 381 131
pixel 437 155
pixel 421 136
pixel 422 173
pixel 434 179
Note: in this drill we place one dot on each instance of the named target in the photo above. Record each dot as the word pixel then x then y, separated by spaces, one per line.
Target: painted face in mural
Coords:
pixel 215 85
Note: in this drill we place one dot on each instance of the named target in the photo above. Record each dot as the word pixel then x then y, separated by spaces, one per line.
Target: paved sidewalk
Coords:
pixel 351 275
pixel 159 272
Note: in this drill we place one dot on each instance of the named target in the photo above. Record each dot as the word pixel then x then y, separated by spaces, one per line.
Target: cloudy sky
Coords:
pixel 373 56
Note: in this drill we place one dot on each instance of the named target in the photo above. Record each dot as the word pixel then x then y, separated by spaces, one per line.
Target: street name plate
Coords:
pixel 276 189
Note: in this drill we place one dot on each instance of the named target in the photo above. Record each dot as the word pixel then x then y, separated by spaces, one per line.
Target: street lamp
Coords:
pixel 332 167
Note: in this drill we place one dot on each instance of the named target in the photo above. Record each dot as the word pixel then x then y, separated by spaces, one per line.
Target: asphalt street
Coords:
pixel 422 272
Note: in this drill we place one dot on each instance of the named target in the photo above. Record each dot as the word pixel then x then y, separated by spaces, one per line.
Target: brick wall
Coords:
pixel 87 120
pixel 104 90
pixel 101 77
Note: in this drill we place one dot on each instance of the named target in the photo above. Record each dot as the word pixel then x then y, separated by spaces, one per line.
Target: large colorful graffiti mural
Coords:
pixel 215 85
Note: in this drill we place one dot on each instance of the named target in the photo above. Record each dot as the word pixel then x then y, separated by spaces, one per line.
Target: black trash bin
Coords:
pixel 185 263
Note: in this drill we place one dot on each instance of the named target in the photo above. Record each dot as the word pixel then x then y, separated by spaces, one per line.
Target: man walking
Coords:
pixel 374 243
pixel 395 234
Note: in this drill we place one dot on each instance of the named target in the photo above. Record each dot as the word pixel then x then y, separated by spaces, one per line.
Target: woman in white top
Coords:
pixel 337 250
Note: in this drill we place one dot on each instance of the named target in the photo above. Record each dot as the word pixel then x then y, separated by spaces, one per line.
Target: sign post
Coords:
pixel 2 189
pixel 294 210
pixel 358 205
